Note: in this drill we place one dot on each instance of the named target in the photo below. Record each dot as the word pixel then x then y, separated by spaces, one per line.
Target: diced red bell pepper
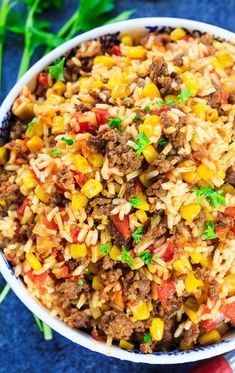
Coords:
pixel 229 212
pixel 165 291
pixel 38 279
pixel 80 179
pixel 49 224
pixel 224 97
pixel 168 255
pixel 229 311
pixel 221 232
pixel 74 233
pixel 208 325
pixel 20 211
pixel 102 116
pixel 44 79
pixel 116 50
pixel 122 225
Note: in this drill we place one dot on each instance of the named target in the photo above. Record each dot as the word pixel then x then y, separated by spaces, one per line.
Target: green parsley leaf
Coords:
pixel 126 257
pixel 67 141
pixel 80 282
pixel 213 196
pixel 209 232
pixel 141 142
pixel 184 95
pixel 170 103
pixel 160 104
pixel 137 234
pixel 55 152
pixel 135 202
pixel 147 338
pixel 147 109
pixel 30 125
pixel 115 123
pixel 162 143
pixel 136 118
pixel 146 256
pixel 56 71
pixel 104 248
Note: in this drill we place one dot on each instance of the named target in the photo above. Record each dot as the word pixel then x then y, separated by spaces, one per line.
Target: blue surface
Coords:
pixel 21 346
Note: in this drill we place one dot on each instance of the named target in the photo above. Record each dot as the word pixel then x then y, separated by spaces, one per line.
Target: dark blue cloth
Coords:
pixel 22 348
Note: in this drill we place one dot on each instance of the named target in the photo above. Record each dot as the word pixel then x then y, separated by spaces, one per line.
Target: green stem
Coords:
pixel 47 332
pixel 38 323
pixel 3 16
pixel 4 292
pixel 25 61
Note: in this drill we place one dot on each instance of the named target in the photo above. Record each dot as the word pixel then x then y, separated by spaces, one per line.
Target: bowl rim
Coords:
pixel 76 336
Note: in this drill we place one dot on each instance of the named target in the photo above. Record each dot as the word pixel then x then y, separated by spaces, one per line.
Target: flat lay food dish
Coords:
pixel 117 188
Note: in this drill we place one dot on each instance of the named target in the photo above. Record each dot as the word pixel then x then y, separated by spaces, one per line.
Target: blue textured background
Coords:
pixel 21 346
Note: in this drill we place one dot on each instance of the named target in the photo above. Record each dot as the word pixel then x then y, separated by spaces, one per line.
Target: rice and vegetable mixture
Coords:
pixel 117 191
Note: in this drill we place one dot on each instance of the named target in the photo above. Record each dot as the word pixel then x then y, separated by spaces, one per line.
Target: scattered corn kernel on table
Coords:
pixel 21 345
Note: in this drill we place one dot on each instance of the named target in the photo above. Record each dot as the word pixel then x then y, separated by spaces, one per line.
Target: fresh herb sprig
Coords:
pixel 137 234
pixel 135 201
pixel 126 257
pixel 104 248
pixel 115 123
pixel 209 232
pixel 141 142
pixel 214 197
pixel 146 256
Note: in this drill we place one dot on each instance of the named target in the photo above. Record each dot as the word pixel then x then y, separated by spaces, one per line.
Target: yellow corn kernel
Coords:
pixel 143 205
pixel 3 155
pixel 83 84
pixel 152 268
pixel 35 144
pixel 33 261
pixel 95 313
pixel 81 164
pixel 212 336
pixel 216 64
pixel 114 81
pixel 225 59
pixel 212 115
pixel 96 84
pixel 24 111
pixel 41 194
pixel 152 120
pixel 229 284
pixel 59 87
pixel 105 60
pixel 209 216
pixel 58 125
pixel 136 52
pixel 177 34
pixel 156 329
pixel 35 130
pixel 115 252
pixel 127 40
pixel 182 266
pixel 184 346
pixel 200 111
pixel 221 174
pixel 192 283
pixel 191 314
pixel 204 172
pixel 151 90
pixel 54 99
pixel 144 180
pixel 3 203
pixel 190 211
pixel 121 91
pixel 205 261
pixel 78 250
pixel 149 153
pixel 228 188
pixel 96 283
pixel 141 216
pixel 196 257
pixel 140 311
pixel 78 201
pixel 126 345
pixel 96 159
pixel 91 188
pixel 147 129
pixel 190 177
pixel 28 180
pixel 191 82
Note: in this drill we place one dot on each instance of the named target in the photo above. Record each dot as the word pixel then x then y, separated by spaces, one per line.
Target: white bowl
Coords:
pixel 133 26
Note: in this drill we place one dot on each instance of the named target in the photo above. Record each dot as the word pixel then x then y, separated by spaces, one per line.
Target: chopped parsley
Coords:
pixel 135 202
pixel 137 234
pixel 57 69
pixel 146 256
pixel 184 95
pixel 160 104
pixel 148 109
pixel 141 142
pixel 162 143
pixel 104 248
pixel 209 232
pixel 30 125
pixel 147 338
pixel 126 257
pixel 136 118
pixel 55 152
pixel 213 196
pixel 170 103
pixel 80 282
pixel 67 141
pixel 115 123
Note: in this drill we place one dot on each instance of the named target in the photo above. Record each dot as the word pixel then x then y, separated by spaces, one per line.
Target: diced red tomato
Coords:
pixel 44 79
pixel 65 272
pixel 49 224
pixel 229 311
pixel 122 225
pixel 74 233
pixel 168 255
pixel 96 335
pixel 208 325
pixel 116 50
pixel 205 310
pixel 164 109
pixel 221 232
pixel 224 97
pixel 102 116
pixel 38 279
pixel 233 229
pixel 80 179
pixel 230 212
pixel 151 248
pixel 165 291
pixel 20 211
pixel 84 127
